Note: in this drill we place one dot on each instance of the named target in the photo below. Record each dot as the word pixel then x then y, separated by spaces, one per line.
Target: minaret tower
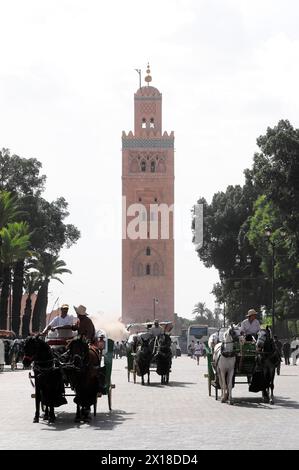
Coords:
pixel 148 183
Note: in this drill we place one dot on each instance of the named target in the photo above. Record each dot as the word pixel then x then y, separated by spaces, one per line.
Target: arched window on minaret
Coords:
pixel 143 125
pixel 153 166
pixel 148 269
pixel 148 251
pixel 143 165
pixel 152 123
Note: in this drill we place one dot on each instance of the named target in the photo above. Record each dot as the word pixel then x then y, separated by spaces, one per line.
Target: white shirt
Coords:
pixel 59 321
pixel 250 328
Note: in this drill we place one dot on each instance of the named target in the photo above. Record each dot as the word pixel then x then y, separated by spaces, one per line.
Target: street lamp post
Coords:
pixel 155 301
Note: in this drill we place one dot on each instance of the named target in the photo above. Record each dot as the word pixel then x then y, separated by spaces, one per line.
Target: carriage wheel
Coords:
pixel 110 398
pixel 209 385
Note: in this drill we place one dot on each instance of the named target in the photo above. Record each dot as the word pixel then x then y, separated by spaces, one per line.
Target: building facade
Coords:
pixel 148 199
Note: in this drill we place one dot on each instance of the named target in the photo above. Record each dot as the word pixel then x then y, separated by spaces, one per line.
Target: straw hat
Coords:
pixel 251 312
pixel 81 310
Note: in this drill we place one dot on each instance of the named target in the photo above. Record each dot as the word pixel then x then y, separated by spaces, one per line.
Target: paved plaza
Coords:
pixel 178 416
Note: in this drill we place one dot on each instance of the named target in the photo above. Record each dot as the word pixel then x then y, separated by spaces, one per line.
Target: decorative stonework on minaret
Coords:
pixel 147 180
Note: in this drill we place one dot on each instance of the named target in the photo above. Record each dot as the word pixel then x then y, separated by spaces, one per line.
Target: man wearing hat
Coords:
pixel 250 326
pixel 156 329
pixel 62 324
pixel 84 325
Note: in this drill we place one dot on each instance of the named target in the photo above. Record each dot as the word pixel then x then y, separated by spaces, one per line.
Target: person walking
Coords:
pixel 198 351
pixel 278 345
pixel 286 348
pixel 295 350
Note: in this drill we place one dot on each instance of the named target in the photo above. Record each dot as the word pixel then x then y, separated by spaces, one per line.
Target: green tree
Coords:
pixel 49 267
pixel 15 241
pixel 21 177
pixel 32 284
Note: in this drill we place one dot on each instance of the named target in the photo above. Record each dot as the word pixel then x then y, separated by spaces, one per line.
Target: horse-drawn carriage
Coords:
pixel 149 353
pixel 233 360
pixel 70 368
pixel 7 338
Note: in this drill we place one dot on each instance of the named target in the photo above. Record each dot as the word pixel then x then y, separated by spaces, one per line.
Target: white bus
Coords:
pixel 199 333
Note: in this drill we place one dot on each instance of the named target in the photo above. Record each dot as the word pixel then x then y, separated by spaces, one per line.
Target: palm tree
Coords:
pixel 15 241
pixel 9 208
pixel 199 312
pixel 32 283
pixel 49 267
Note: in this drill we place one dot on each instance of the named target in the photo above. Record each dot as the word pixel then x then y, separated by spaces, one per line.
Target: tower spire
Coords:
pixel 148 77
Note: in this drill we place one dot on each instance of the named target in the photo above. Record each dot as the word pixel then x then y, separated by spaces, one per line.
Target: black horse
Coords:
pixel 163 357
pixel 49 388
pixel 267 359
pixel 143 357
pixel 85 375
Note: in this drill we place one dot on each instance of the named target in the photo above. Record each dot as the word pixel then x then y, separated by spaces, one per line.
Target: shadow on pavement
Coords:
pixel 104 421
pixel 170 384
pixel 258 402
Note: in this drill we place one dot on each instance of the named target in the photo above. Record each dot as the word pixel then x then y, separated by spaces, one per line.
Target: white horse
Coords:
pixel 225 359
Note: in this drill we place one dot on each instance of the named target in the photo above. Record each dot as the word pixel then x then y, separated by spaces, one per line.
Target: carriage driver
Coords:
pixel 84 325
pixel 156 329
pixel 250 326
pixel 62 324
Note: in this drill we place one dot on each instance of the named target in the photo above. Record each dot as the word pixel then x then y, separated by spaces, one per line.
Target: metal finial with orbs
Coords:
pixel 148 77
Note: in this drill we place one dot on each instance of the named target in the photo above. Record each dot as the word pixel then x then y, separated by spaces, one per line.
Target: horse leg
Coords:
pixel 266 395
pixel 222 385
pixel 52 417
pixel 78 414
pixel 272 388
pixel 86 414
pixel 46 415
pixel 37 405
pixel 148 378
pixel 230 386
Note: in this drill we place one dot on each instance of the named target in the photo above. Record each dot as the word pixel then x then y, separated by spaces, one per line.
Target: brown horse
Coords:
pixel 85 375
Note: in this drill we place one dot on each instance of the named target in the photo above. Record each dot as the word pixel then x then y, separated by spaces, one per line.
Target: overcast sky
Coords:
pixel 227 69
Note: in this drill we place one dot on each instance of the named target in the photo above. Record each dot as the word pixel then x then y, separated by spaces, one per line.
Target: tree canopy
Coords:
pixel 234 228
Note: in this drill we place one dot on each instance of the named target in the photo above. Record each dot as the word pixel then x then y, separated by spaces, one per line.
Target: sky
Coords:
pixel 227 70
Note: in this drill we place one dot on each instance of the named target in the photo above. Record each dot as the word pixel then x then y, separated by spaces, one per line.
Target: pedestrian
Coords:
pixel 174 349
pixel 295 350
pixel 116 350
pixel 278 345
pixel 198 351
pixel 191 349
pixel 286 348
